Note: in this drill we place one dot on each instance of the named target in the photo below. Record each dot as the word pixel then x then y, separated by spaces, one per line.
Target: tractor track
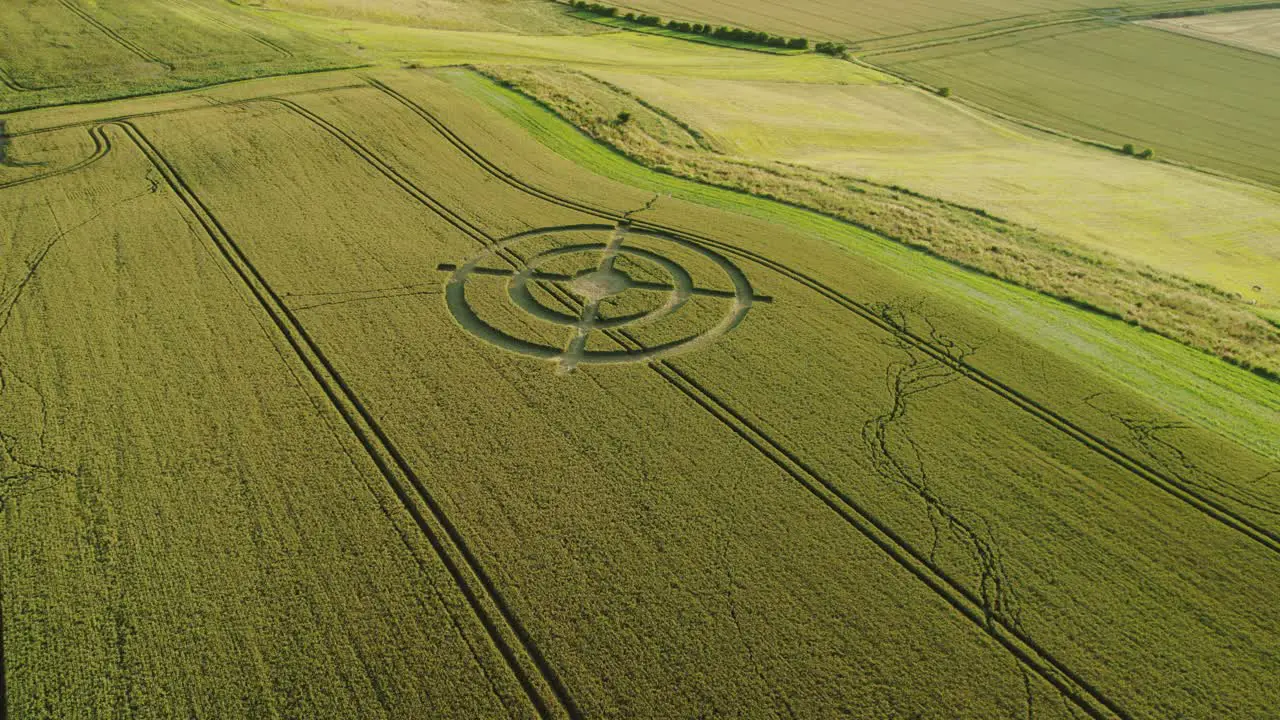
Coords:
pixel 905 467
pixel 101 146
pixel 178 111
pixel 236 28
pixel 537 679
pixel 1073 688
pixel 7 80
pixel 1149 435
pixel 1266 537
pixel 115 36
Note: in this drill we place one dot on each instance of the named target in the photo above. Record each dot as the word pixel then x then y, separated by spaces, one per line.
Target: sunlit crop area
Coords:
pixel 541 388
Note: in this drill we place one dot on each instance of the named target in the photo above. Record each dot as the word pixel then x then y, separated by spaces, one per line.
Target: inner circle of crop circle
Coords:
pixel 518 289
pixel 589 288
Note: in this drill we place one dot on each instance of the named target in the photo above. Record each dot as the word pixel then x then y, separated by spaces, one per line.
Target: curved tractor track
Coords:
pixel 1172 485
pixel 101 146
pixel 1033 658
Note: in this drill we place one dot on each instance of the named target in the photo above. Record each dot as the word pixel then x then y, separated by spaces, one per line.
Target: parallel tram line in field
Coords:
pixel 1027 651
pixel 236 28
pixel 1073 688
pixel 538 681
pixel 115 36
pixel 991 619
pixel 1175 487
pixel 449 544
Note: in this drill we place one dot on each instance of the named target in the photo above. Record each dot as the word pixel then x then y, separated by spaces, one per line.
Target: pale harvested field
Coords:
pixel 1218 231
pixel 1251 29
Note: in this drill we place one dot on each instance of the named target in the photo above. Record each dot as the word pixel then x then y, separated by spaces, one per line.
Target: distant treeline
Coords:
pixel 1196 12
pixel 749 37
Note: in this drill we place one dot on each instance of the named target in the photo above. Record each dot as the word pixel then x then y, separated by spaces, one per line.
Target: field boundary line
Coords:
pixel 178 111
pixel 477 588
pixel 1023 649
pixel 1209 507
pixel 171 91
pixel 119 40
pixel 101 146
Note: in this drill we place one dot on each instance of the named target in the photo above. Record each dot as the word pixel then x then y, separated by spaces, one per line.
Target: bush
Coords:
pixel 722 32
pixel 623 118
pixel 1128 149
pixel 944 92
pixel 596 8
pixel 1147 154
pixel 832 49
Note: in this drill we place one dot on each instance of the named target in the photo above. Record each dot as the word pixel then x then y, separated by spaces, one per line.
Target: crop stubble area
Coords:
pixel 253 466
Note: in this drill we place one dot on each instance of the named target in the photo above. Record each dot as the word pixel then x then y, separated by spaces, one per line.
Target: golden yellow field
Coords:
pixel 388 392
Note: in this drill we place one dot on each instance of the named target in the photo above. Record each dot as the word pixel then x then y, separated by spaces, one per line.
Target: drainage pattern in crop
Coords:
pixel 600 281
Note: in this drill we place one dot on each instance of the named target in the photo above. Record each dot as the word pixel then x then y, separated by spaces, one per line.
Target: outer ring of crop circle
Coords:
pixel 455 299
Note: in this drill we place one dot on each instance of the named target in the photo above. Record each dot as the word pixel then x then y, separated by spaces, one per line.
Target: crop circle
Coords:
pixel 580 296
